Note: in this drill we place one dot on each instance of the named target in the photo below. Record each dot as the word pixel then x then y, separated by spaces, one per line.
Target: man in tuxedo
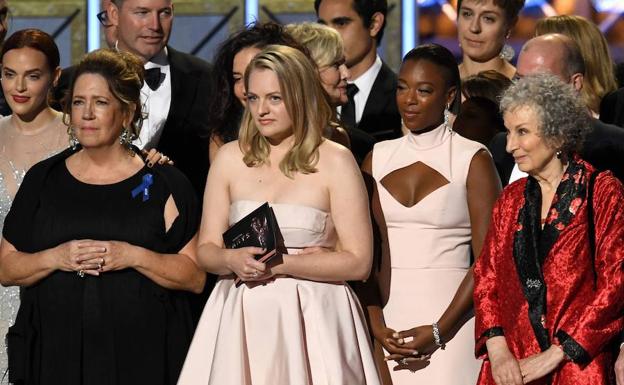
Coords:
pixel 176 86
pixel 559 55
pixel 371 113
pixel 612 108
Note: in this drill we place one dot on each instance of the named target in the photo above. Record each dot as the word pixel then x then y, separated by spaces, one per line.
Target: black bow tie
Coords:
pixel 153 78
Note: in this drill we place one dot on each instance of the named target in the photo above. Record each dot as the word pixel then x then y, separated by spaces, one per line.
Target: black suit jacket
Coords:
pixel 185 136
pixel 612 108
pixel 603 148
pixel 380 119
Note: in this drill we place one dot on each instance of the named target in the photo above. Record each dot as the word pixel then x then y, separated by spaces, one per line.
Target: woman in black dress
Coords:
pixel 103 246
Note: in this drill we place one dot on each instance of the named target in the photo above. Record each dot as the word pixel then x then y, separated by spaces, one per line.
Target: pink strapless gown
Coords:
pixel 289 331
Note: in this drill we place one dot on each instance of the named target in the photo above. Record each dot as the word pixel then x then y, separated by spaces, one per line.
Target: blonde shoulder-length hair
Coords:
pixel 305 102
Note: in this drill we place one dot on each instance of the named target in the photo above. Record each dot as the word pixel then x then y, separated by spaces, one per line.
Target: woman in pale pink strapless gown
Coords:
pixel 296 322
pixel 435 191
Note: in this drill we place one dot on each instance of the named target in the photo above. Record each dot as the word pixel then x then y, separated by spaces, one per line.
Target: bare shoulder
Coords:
pixel 335 155
pixel 228 154
pixel 481 160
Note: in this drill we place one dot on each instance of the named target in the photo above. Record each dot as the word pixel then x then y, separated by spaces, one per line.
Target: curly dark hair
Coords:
pixel 225 110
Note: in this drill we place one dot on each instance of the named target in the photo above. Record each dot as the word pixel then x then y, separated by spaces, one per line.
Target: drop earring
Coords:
pixel 73 141
pixel 447 119
pixel 507 52
pixel 126 138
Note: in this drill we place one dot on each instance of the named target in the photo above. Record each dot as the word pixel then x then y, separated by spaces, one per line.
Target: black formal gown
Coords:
pixel 121 327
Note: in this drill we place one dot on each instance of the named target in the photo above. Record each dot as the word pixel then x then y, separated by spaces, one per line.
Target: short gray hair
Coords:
pixel 563 117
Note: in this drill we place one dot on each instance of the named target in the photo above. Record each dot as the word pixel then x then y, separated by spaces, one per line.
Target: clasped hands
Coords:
pixel 243 264
pixel 409 348
pixel 87 256
pixel 507 370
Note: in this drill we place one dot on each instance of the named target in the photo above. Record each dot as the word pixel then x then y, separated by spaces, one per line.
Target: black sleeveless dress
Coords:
pixel 118 328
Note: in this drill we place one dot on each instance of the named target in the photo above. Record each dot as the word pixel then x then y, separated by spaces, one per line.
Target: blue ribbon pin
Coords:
pixel 148 180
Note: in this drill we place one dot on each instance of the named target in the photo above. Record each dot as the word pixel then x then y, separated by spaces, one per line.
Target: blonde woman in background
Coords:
pixel 325 47
pixel 599 77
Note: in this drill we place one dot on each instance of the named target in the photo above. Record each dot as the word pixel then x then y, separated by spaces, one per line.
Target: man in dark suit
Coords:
pixel 176 88
pixel 612 108
pixel 371 113
pixel 559 55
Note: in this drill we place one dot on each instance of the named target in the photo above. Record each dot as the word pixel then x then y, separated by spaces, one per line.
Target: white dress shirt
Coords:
pixel 155 103
pixel 516 174
pixel 364 84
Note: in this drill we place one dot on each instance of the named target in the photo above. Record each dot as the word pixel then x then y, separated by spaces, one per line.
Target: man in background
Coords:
pixel 559 55
pixel 371 113
pixel 176 86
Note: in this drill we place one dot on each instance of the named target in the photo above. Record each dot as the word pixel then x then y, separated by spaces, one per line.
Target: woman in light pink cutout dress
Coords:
pixel 295 321
pixel 433 194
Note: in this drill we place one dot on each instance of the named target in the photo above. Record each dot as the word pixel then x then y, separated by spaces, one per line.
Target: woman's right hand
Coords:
pixel 505 367
pixel 242 263
pixel 71 256
pixel 384 335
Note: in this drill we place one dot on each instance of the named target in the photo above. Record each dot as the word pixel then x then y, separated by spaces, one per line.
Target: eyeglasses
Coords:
pixel 103 18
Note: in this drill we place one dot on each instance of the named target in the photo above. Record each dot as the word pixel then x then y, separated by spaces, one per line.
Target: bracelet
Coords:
pixel 436 336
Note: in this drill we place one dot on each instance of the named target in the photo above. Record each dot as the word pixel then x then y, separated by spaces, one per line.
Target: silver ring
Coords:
pixel 255 274
pixel 99 267
pixel 80 273
pixel 403 361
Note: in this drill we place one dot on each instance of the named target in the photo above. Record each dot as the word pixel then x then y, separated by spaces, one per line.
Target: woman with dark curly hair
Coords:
pixel 228 102
pixel 549 289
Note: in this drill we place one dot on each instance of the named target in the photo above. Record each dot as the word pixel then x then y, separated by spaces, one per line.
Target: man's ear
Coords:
pixel 577 81
pixel 377 22
pixel 113 13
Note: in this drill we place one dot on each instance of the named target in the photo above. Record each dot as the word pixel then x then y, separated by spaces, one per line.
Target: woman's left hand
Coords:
pixel 153 156
pixel 117 256
pixel 541 364
pixel 413 344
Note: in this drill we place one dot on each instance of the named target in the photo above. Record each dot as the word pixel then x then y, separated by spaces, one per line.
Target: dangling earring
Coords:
pixel 558 154
pixel 73 141
pixel 507 52
pixel 447 118
pixel 126 138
